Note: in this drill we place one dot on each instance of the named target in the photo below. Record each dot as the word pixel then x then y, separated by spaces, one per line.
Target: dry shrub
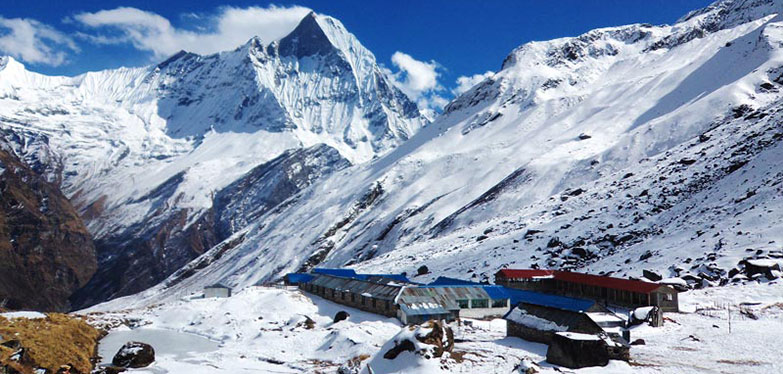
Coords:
pixel 51 342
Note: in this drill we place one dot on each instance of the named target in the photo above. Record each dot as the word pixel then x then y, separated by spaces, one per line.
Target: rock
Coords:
pixel 439 338
pixel 481 237
pixel 527 366
pixel 423 269
pixel 645 256
pixel 763 266
pixel 6 369
pixel 134 355
pixel 638 342
pixel 584 136
pixel 109 370
pixel 68 369
pixel 403 346
pixel 341 316
pixel 581 252
pixel 554 242
pixel 12 344
pixel 651 275
pixel 308 323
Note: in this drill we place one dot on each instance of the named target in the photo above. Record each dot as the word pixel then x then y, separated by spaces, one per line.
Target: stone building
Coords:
pixel 374 294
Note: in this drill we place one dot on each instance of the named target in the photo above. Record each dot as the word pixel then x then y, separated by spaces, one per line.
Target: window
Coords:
pixel 463 304
pixel 499 303
pixel 374 304
pixel 480 303
pixel 364 300
pixel 353 297
pixel 388 304
pixel 669 297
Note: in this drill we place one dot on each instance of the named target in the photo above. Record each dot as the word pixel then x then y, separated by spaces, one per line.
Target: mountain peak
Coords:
pixel 307 39
pixel 729 13
pixel 10 63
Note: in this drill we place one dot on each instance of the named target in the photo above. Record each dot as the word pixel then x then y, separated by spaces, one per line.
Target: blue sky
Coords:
pixel 453 38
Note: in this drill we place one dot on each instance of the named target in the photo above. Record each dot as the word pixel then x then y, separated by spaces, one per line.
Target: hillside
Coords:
pixel 623 149
pixel 46 252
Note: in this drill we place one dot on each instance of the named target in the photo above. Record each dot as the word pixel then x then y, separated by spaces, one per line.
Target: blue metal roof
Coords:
pixel 396 277
pixel 297 278
pixel 552 301
pixel 497 292
pixel 346 273
pixel 446 281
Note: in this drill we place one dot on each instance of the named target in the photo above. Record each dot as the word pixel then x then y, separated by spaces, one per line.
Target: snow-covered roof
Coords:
pixel 218 285
pixel 383 290
pixel 579 336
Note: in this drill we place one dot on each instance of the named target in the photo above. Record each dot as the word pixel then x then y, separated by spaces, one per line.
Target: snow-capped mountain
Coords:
pixel 626 148
pixel 143 152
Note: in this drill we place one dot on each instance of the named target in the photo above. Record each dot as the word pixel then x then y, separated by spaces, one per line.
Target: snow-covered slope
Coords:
pixel 142 152
pixel 266 330
pixel 626 148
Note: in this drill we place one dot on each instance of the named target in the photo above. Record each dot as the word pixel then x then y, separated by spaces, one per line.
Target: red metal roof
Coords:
pixel 588 279
pixel 607 282
pixel 524 273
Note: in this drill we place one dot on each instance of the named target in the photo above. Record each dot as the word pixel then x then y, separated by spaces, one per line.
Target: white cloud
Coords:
pixel 228 29
pixel 465 83
pixel 420 76
pixel 34 42
pixel 418 80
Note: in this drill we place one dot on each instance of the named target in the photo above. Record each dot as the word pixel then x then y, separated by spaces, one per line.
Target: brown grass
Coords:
pixel 56 340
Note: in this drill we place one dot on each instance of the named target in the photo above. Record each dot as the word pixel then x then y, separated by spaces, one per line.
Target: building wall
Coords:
pixel 217 292
pixel 527 333
pixel 602 294
pixel 667 301
pixel 419 319
pixel 479 313
pixel 367 304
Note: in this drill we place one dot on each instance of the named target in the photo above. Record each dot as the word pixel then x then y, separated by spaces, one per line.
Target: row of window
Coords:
pixel 463 303
pixel 345 296
pixel 481 303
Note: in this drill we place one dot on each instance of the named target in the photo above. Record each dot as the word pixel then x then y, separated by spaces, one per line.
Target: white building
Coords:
pixel 217 290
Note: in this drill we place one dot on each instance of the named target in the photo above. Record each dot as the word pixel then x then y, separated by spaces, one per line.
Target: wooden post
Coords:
pixel 728 308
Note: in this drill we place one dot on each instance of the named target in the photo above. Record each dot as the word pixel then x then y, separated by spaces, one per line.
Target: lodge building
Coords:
pixel 608 290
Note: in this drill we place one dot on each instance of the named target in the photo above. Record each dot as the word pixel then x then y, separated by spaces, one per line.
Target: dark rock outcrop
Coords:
pixel 134 355
pixel 46 252
pixel 341 316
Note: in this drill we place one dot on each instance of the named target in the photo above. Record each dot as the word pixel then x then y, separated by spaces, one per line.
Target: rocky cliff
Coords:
pixel 46 252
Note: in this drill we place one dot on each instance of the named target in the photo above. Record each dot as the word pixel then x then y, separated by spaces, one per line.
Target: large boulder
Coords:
pixel 651 275
pixel 134 355
pixel 341 316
